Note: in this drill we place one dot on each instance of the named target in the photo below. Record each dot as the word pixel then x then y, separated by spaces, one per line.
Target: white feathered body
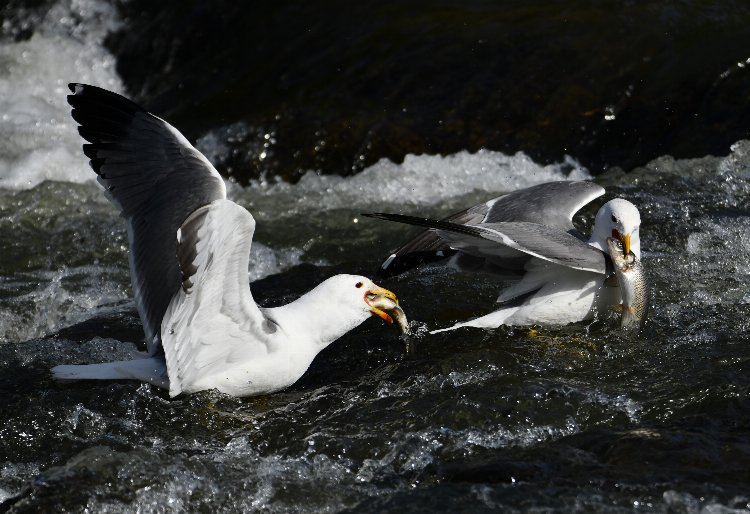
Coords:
pixel 214 334
pixel 548 292
pixel 563 295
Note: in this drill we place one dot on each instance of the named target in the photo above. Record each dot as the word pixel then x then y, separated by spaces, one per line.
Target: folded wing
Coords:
pixel 552 204
pixel 494 240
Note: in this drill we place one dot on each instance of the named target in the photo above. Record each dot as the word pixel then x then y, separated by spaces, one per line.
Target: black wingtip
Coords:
pixel 96 165
pixel 87 96
pixel 429 223
pixel 400 218
pixel 410 220
pixel 398 264
pixel 77 89
pixel 90 150
pixel 376 215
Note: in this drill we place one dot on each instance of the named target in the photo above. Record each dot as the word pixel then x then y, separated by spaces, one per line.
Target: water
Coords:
pixel 570 419
pixel 36 138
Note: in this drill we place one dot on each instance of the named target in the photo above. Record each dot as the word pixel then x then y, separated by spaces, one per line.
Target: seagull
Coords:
pixel 189 254
pixel 527 237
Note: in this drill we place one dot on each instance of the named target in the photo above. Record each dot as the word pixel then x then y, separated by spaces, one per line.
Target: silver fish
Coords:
pixel 633 286
pixel 393 310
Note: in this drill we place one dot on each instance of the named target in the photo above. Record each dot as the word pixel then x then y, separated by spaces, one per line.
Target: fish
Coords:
pixel 393 310
pixel 631 278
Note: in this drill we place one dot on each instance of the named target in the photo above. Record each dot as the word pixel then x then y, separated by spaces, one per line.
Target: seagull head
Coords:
pixel 364 296
pixel 620 220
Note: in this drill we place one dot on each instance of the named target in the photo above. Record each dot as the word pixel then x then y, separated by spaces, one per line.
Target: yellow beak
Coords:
pixel 378 297
pixel 384 304
pixel 625 244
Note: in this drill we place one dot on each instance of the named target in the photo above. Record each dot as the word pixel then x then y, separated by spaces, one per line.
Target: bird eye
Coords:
pixel 614 219
pixel 358 285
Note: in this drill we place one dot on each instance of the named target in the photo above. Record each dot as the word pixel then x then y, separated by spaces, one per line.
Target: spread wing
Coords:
pixel 552 204
pixel 213 320
pixel 506 240
pixel 156 178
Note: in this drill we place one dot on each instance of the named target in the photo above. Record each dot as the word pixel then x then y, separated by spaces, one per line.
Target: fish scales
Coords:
pixel 631 278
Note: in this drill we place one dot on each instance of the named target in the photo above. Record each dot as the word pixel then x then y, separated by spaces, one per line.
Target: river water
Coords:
pixel 570 419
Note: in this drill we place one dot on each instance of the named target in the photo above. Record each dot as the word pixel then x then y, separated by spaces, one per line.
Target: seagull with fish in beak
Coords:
pixel 189 253
pixel 527 238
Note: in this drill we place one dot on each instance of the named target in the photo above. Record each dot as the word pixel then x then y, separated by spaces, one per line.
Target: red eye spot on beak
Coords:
pixel 358 285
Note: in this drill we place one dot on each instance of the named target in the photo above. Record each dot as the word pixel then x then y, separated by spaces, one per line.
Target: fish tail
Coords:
pixel 629 317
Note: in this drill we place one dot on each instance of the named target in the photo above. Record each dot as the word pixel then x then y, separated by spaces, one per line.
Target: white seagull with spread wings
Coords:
pixel 189 258
pixel 527 237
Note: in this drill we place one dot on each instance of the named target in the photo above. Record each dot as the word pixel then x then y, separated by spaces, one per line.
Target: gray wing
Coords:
pixel 552 204
pixel 156 178
pixel 506 240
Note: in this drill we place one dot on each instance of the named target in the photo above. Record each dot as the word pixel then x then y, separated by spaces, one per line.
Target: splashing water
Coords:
pixel 37 140
pixel 561 419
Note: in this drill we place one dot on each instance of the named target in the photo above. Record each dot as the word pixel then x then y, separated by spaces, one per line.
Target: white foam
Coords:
pixel 62 298
pixel 718 246
pixel 265 261
pixel 14 476
pixel 70 295
pixel 679 501
pixel 419 180
pixel 523 436
pixel 38 141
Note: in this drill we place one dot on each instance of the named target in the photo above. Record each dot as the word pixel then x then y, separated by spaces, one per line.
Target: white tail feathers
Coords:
pixel 152 370
pixel 491 320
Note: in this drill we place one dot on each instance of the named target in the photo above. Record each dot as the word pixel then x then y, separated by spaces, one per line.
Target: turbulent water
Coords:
pixel 571 419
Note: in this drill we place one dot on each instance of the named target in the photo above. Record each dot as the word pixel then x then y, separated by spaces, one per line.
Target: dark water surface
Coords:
pixel 570 419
